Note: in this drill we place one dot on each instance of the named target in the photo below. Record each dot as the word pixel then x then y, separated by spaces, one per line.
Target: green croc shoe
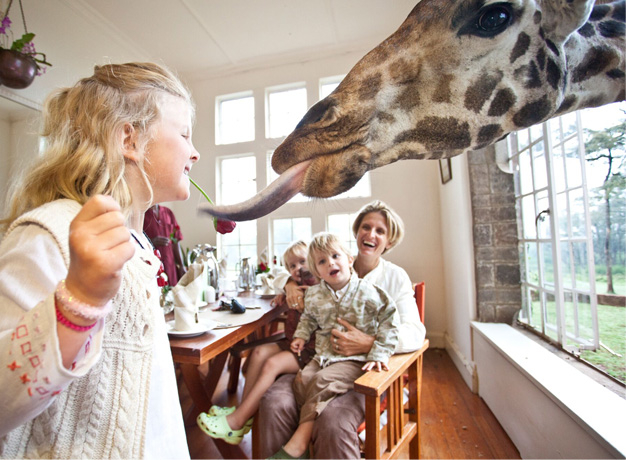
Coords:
pixel 217 410
pixel 248 426
pixel 217 427
pixel 282 454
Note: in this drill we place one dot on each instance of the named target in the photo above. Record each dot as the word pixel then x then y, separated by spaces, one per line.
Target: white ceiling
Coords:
pixel 197 38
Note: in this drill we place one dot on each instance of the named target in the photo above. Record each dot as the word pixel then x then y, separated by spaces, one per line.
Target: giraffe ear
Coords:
pixel 560 19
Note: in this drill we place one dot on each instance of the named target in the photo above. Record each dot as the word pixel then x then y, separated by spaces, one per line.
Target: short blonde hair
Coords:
pixel 324 242
pixel 395 225
pixel 84 125
pixel 292 249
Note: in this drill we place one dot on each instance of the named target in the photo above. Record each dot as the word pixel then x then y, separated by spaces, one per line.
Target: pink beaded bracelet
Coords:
pixel 76 307
pixel 67 323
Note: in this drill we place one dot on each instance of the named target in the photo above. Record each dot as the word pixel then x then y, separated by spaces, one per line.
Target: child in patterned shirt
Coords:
pixel 341 294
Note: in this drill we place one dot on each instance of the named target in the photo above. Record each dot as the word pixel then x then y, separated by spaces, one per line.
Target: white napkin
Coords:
pixel 267 283
pixel 188 297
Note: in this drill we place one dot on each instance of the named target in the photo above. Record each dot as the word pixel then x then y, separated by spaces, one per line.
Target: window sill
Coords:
pixel 597 410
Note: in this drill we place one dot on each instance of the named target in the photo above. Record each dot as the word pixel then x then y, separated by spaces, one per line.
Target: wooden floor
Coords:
pixel 455 423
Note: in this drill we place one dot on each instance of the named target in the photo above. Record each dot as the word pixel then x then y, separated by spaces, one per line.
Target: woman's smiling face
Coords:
pixel 372 237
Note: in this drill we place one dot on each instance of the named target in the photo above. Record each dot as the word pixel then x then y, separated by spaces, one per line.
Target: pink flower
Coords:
pixel 224 226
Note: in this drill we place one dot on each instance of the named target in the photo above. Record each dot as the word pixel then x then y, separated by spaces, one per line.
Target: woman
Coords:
pixel 377 230
pixel 85 365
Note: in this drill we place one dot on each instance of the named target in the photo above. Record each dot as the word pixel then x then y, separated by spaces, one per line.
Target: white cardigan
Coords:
pixel 120 398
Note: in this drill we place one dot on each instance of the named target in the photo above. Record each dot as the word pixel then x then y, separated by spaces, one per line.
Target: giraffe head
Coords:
pixel 457 75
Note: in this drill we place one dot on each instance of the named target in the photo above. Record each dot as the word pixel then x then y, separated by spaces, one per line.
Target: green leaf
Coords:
pixel 19 43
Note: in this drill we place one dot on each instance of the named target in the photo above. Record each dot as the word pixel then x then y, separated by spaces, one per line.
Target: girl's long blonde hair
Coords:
pixel 83 127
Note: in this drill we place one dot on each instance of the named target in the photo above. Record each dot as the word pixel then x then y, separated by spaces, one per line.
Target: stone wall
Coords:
pixel 496 261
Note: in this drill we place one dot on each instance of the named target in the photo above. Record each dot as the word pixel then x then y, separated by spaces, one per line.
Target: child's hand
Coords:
pixel 278 300
pixel 297 345
pixel 100 245
pixel 374 365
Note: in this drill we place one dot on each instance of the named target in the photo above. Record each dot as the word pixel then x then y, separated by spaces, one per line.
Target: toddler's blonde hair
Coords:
pixel 325 243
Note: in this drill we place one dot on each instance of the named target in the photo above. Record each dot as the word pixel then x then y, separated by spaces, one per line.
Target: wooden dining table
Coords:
pixel 213 346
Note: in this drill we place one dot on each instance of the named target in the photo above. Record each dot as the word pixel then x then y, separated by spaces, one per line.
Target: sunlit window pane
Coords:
pixel 285 109
pixel 237 179
pixel 235 120
pixel 341 225
pixel 286 231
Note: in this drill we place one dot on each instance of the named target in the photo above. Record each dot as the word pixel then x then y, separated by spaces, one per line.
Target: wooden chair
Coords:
pixel 402 426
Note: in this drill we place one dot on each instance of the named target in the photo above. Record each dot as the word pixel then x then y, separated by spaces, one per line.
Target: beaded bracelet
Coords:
pixel 76 307
pixel 67 323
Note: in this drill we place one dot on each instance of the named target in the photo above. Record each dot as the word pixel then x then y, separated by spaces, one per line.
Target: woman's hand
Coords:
pixel 295 295
pixel 100 245
pixel 352 341
pixel 374 365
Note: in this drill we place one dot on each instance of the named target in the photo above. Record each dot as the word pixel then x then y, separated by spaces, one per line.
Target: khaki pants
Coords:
pixel 314 387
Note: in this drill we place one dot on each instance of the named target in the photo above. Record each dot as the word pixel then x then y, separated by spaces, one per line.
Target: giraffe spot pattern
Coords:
pixel 488 133
pixel 521 47
pixel 615 74
pixel 502 102
pixel 537 17
pixel 567 104
pixel 553 73
pixel 478 93
pixel 595 61
pixel 621 96
pixel 408 98
pixel 529 75
pixel 599 12
pixel 438 133
pixel 553 47
pixel 385 117
pixel 541 58
pixel 587 30
pixel 532 113
pixel 619 12
pixel 370 87
pixel 403 72
pixel 594 101
pixel 611 29
pixel 443 93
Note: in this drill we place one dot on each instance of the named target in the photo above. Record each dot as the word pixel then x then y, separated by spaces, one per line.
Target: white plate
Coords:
pixel 261 295
pixel 200 329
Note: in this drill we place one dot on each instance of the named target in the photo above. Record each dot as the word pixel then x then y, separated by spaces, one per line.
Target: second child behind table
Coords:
pixel 267 362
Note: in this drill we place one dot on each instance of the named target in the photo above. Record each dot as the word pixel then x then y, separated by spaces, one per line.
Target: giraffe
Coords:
pixel 458 75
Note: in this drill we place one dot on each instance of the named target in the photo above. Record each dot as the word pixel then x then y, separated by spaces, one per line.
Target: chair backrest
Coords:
pixel 420 298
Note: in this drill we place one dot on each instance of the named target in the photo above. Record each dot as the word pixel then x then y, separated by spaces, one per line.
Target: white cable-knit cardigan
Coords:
pixel 100 408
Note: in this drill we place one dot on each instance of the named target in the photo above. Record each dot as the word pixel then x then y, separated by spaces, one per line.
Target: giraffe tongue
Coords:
pixel 267 200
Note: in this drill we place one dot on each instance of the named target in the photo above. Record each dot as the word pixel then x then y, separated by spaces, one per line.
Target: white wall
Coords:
pixel 410 187
pixel 458 255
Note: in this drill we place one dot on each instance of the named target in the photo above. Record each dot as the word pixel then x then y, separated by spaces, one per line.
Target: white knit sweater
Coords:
pixel 99 408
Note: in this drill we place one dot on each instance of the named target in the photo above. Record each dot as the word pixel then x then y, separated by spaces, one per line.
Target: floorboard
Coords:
pixel 455 423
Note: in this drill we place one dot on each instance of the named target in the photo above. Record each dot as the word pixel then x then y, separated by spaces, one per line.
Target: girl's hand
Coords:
pixel 297 345
pixel 100 245
pixel 374 365
pixel 352 341
pixel 161 241
pixel 295 295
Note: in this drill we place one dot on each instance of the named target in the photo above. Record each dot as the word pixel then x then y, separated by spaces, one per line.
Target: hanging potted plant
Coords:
pixel 20 63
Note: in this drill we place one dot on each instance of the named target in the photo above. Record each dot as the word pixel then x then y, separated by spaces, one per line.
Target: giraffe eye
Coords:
pixel 493 20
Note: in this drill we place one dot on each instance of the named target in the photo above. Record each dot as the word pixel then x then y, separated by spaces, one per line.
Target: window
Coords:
pixel 328 85
pixel 285 108
pixel 238 244
pixel 286 231
pixel 237 182
pixel 234 119
pixel 341 225
pixel 561 195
